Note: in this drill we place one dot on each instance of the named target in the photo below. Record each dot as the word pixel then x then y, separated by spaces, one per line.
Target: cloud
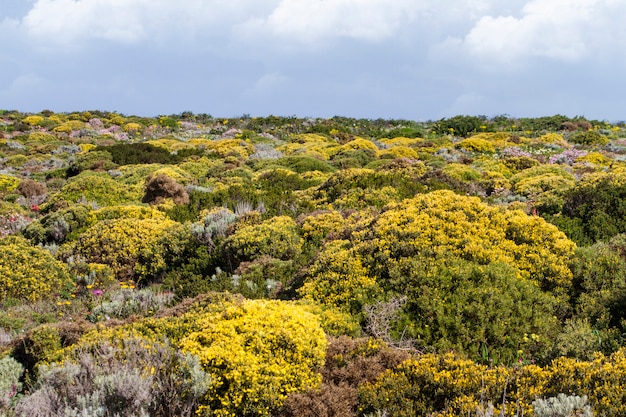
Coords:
pixel 561 30
pixel 76 22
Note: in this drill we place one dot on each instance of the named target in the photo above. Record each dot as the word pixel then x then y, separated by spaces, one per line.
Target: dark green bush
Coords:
pixel 138 153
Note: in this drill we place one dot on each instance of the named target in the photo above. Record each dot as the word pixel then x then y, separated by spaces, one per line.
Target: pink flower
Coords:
pixel 97 292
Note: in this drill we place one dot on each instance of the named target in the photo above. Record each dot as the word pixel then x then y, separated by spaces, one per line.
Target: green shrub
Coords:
pixel 138 153
pixel 590 137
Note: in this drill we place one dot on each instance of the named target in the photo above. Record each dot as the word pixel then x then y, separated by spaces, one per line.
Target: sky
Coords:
pixel 392 59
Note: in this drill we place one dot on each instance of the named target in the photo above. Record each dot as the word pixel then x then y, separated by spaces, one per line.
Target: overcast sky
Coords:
pixel 410 59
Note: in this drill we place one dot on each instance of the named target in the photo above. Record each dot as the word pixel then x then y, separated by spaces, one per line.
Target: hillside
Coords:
pixel 282 266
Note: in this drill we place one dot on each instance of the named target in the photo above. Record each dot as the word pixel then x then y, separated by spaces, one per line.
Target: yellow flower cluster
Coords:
pixel 28 272
pixel 449 385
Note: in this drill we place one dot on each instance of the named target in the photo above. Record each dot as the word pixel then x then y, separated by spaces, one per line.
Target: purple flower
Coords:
pixel 97 292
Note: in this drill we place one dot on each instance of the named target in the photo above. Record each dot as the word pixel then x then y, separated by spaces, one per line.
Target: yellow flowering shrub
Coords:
pixel 237 148
pixel 137 174
pixel 29 272
pixel 134 248
pixel 359 143
pixel 99 188
pixel 318 225
pixel 257 353
pixel 41 137
pixel 596 159
pixel 277 237
pixel 476 145
pixel 130 211
pixel 398 152
pixel 69 126
pixel 450 385
pixel 311 144
pixel 8 183
pixel 338 278
pixel 33 120
pixel 131 127
pixel 402 141
pixel 442 223
pixel 461 172
pixel 552 138
pixel 172 145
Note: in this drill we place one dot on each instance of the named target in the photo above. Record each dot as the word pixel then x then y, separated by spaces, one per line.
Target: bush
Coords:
pixel 257 353
pixel 562 406
pixel 136 249
pixel 598 202
pixel 89 187
pixel 28 272
pixel 10 373
pixel 161 187
pixel 277 237
pixel 349 363
pixel 459 125
pixel 138 153
pixel 133 377
pixel 590 137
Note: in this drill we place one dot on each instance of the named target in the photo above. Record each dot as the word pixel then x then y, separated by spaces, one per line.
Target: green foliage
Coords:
pixel 138 153
pixel 277 238
pixel 59 226
pixel 459 125
pixel 598 201
pixel 93 160
pixel 590 137
pixel 28 272
pixel 101 189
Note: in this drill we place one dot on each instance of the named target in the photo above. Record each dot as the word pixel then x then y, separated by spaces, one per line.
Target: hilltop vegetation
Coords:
pixel 279 266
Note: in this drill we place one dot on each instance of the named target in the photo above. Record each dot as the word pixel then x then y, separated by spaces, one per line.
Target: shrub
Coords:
pixel 29 188
pixel 28 272
pixel 138 153
pixel 257 353
pixel 277 237
pixel 458 125
pixel 10 374
pixel 59 226
pixel 131 377
pixel 8 183
pixel 597 201
pixel 338 278
pixel 562 406
pixel 476 145
pixel 161 187
pixel 136 249
pixel 349 363
pixel 95 188
pixel 589 137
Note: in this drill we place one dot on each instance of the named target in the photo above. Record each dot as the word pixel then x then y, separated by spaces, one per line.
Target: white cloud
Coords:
pixel 73 22
pixel 563 30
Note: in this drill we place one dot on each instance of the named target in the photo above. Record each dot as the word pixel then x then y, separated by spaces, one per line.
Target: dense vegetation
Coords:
pixel 277 266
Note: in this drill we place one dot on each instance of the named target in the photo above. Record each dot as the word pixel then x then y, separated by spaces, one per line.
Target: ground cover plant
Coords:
pixel 282 266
